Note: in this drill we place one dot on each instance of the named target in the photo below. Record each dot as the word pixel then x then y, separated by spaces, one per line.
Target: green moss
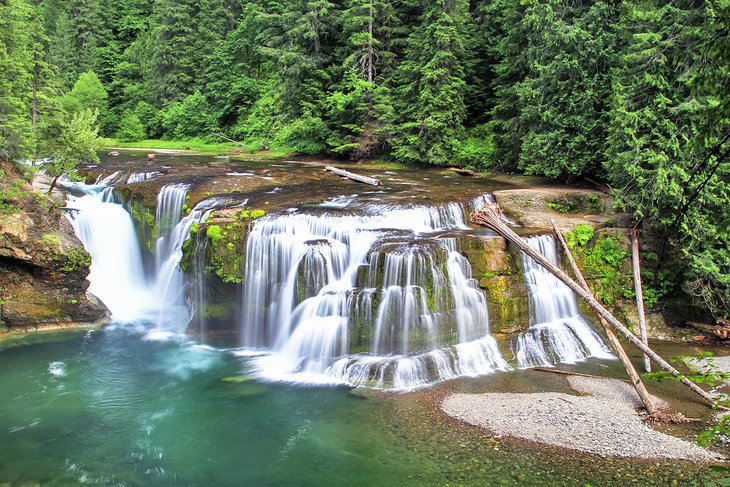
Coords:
pixel 51 240
pixel 219 311
pixel 76 259
pixel 248 214
pixel 603 259
pixel 214 234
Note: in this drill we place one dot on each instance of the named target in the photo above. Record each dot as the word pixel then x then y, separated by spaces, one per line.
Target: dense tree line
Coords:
pixel 630 93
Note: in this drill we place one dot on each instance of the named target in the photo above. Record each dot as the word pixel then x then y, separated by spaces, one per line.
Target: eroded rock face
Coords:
pixel 43 268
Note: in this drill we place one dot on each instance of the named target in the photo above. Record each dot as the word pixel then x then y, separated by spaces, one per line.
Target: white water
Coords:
pixel 383 299
pixel 318 286
pixel 557 332
pixel 117 275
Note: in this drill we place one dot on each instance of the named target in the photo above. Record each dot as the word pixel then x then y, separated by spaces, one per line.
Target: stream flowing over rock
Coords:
pixel 359 289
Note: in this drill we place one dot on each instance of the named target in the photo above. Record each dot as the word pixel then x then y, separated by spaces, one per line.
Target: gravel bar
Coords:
pixel 604 422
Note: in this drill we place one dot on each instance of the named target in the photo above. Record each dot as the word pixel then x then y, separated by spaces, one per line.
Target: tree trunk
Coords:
pixel 353 176
pixel 53 184
pixel 489 216
pixel 644 395
pixel 636 264
pixel 371 48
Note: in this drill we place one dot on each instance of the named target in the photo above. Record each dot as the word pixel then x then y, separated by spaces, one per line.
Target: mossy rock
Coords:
pixel 507 303
pixel 488 255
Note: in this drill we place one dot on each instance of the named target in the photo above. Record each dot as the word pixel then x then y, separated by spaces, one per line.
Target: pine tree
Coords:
pixel 668 164
pixel 172 50
pixel 16 79
pixel 368 27
pixel 432 83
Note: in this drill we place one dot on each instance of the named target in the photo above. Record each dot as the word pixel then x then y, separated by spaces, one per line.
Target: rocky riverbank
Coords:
pixel 602 420
pixel 43 266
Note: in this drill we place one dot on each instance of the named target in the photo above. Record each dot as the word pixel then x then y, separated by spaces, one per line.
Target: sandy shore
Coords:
pixel 603 422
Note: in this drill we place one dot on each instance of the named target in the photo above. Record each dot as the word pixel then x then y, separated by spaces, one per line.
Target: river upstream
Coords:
pixel 356 313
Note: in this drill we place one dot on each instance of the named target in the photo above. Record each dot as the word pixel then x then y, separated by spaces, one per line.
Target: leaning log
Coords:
pixel 353 176
pixel 636 265
pixel 644 395
pixel 489 216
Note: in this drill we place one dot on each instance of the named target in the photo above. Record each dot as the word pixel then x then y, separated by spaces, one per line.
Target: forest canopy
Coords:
pixel 632 94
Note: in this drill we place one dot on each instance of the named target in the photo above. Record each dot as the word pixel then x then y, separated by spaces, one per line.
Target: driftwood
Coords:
pixel 353 176
pixel 221 136
pixel 644 395
pixel 489 216
pixel 461 171
pixel 636 265
pixel 721 332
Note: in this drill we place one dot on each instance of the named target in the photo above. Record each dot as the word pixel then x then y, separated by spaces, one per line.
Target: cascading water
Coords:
pixel 117 274
pixel 381 299
pixel 318 287
pixel 557 332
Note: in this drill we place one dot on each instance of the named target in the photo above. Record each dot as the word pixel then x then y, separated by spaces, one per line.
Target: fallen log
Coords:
pixel 461 171
pixel 721 332
pixel 636 265
pixel 489 216
pixel 353 176
pixel 634 377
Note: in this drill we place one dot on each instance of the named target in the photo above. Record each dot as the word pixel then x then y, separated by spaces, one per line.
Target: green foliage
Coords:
pixel 477 151
pixel 579 236
pixel 88 93
pixel 603 260
pixel 307 135
pixel 130 128
pixel 562 204
pixel 214 234
pixel 78 144
pixel 432 81
pixel 16 64
pixel 11 192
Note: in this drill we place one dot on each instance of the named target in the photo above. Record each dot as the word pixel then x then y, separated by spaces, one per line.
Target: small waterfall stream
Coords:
pixel 557 332
pixel 117 274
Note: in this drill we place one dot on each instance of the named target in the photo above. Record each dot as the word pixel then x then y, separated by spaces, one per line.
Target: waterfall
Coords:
pixel 117 275
pixel 379 299
pixel 382 298
pixel 557 332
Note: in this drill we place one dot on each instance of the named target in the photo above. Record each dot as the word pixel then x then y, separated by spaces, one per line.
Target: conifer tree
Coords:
pixel 16 60
pixel 432 81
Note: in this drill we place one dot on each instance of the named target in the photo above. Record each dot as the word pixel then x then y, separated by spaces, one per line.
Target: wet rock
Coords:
pixel 43 268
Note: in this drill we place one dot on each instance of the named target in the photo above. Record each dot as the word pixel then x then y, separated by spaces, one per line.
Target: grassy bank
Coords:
pixel 204 146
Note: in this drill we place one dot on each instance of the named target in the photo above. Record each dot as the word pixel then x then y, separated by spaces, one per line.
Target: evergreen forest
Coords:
pixel 631 95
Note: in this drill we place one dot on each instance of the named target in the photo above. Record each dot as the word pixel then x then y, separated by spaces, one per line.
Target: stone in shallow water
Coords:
pixel 238 379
